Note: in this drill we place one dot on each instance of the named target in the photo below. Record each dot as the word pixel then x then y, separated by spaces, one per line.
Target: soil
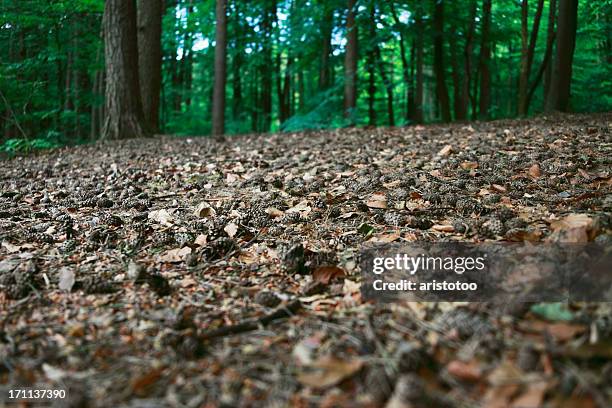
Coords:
pixel 185 272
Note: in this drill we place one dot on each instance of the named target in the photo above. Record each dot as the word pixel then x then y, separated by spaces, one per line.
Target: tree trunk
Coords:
pixel 466 96
pixel 418 92
pixel 527 52
pixel 388 85
pixel 327 28
pixel 371 88
pixel 150 59
pixel 458 80
pixel 124 115
pixel 559 95
pixel 550 39
pixel 485 60
pixel 267 67
pixel 218 105
pixel 441 90
pixel 544 66
pixel 350 64
pixel 237 63
pixel 405 67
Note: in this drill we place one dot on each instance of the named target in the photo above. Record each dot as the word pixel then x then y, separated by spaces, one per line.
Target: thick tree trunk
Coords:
pixel 124 115
pixel 441 90
pixel 485 60
pixel 218 106
pixel 150 58
pixel 527 52
pixel 559 94
pixel 350 64
pixel 418 92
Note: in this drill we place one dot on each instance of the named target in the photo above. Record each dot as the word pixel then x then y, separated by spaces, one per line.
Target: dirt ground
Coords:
pixel 186 273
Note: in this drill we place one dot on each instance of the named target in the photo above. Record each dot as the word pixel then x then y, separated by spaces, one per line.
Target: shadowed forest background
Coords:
pixel 288 64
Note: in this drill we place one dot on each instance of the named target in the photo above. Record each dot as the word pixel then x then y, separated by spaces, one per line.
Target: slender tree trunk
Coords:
pixel 150 58
pixel 545 64
pixel 237 63
pixel 458 80
pixel 371 88
pixel 327 28
pixel 256 101
pixel 560 87
pixel 218 106
pixel 124 115
pixel 465 96
pixel 405 66
pixel 418 92
pixel 527 52
pixel 350 64
pixel 441 90
pixel 267 67
pixel 550 39
pixel 485 60
pixel 388 85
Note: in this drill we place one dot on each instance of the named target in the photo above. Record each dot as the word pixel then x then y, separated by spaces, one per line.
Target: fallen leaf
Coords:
pixel 162 216
pixel 505 373
pixel 385 238
pixel 10 248
pixel 274 212
pixel 445 151
pixel 142 383
pixel 465 371
pixel 443 228
pixel 66 279
pixel 533 396
pixel 326 274
pixel 560 331
pixel 467 165
pixel 498 188
pixel 204 210
pixel 175 255
pixel 201 240
pixel 534 171
pixel 574 228
pixel 328 371
pixel 377 200
pixel 231 229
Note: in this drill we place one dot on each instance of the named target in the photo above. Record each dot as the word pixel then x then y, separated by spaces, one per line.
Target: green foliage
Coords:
pixel 52 54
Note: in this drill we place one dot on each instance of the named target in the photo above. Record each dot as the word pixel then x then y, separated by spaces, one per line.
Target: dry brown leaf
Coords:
pixel 328 371
pixel 534 171
pixel 443 228
pixel 561 331
pixel 175 255
pixel 498 188
pixel 467 165
pixel 231 229
pixel 162 216
pixel 445 151
pixel 141 384
pixel 505 373
pixel 204 210
pixel 533 396
pixel 574 228
pixel 385 238
pixel 326 274
pixel 470 371
pixel 377 200
pixel 201 240
pixel 274 212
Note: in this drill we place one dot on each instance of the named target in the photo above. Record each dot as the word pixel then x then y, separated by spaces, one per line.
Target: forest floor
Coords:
pixel 184 272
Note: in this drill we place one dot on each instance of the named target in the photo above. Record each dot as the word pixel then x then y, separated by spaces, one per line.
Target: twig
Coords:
pixel 253 324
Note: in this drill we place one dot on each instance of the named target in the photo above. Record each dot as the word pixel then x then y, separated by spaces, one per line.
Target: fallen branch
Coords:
pixel 253 324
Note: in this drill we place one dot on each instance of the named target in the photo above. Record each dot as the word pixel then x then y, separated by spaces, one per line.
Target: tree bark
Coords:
pixel 550 39
pixel 388 85
pixel 350 64
pixel 327 28
pixel 124 115
pixel 405 67
pixel 559 94
pixel 441 89
pixel 150 59
pixel 267 67
pixel 218 106
pixel 418 92
pixel 527 52
pixel 485 60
